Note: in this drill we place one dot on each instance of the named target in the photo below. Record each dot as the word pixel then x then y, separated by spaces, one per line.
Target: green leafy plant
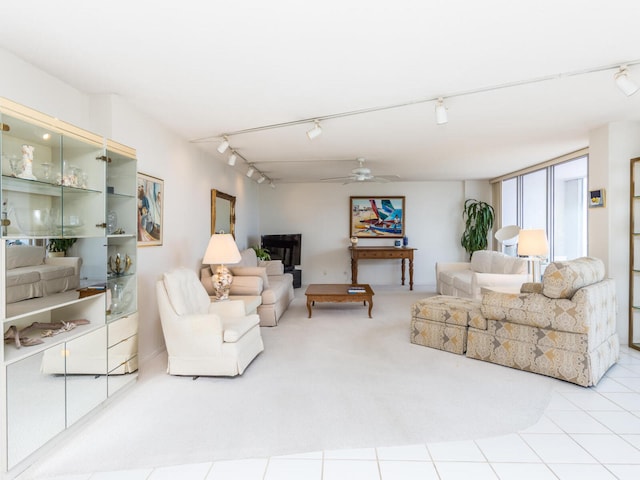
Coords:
pixel 60 244
pixel 478 217
pixel 262 253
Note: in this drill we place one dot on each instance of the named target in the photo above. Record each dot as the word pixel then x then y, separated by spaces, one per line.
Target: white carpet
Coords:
pixel 337 380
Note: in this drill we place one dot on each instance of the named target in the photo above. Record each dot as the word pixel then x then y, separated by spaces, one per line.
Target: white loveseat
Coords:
pixel 31 274
pixel 485 270
pixel 254 277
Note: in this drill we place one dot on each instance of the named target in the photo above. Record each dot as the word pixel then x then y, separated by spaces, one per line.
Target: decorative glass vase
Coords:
pixel 112 222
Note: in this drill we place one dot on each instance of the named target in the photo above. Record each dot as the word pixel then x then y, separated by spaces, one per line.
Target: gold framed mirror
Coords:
pixel 223 213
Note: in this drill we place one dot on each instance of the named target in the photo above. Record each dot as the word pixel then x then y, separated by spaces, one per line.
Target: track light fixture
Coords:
pixel 622 78
pixel 250 171
pixel 316 131
pixel 223 145
pixel 624 81
pixel 261 179
pixel 272 185
pixel 232 158
pixel 441 112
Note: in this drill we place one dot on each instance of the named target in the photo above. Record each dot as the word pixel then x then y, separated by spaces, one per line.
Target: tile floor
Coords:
pixel 584 434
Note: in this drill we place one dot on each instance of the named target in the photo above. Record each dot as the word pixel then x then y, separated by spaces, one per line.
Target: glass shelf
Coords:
pixel 74 178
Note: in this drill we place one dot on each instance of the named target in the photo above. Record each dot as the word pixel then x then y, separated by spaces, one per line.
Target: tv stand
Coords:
pixel 297 275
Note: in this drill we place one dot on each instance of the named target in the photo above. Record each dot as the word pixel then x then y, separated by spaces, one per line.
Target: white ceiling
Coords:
pixel 205 68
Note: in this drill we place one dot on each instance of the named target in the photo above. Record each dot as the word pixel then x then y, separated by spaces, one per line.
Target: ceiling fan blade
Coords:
pixel 334 179
pixel 362 174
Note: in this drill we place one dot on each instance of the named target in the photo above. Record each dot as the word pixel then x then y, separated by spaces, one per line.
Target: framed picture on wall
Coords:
pixel 596 198
pixel 150 203
pixel 377 217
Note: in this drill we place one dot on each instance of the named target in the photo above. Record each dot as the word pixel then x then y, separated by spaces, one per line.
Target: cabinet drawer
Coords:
pixel 123 352
pixel 126 366
pixel 383 254
pixel 122 329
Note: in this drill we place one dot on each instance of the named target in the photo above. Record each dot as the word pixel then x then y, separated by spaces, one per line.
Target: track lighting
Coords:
pixel 261 179
pixel 315 132
pixel 250 171
pixel 441 112
pixel 272 185
pixel 223 145
pixel 624 82
pixel 232 158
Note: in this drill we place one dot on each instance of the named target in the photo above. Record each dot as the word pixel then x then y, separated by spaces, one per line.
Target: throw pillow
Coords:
pixel 251 271
pixel 563 279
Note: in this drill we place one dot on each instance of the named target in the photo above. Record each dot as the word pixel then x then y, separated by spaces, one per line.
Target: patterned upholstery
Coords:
pixel 441 322
pixel 568 331
pixel 564 327
pixel 563 279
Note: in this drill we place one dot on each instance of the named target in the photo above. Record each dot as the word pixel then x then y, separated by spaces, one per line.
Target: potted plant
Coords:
pixel 478 218
pixel 58 247
pixel 262 253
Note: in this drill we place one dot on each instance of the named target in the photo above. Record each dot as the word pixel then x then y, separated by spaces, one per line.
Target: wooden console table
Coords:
pixel 381 253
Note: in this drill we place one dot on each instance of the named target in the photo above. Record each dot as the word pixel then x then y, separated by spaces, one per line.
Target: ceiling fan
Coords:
pixel 362 174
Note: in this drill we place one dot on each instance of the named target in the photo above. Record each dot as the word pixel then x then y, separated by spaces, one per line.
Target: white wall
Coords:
pixel 321 213
pixel 611 148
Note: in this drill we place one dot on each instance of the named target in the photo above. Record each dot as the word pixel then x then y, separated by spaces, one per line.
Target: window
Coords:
pixel 570 210
pixel 534 200
pixel 553 198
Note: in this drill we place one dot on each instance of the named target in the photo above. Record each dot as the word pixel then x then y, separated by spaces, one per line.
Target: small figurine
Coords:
pixel 27 163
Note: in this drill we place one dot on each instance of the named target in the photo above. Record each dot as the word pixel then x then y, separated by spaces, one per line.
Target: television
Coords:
pixel 286 247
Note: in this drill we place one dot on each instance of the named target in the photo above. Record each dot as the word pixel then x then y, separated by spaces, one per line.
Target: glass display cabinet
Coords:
pixel 634 257
pixel 68 256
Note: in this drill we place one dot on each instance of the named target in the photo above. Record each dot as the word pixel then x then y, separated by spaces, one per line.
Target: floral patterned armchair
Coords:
pixel 564 327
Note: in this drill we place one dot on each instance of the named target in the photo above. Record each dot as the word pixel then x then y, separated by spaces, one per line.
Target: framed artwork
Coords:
pixel 377 217
pixel 596 198
pixel 150 201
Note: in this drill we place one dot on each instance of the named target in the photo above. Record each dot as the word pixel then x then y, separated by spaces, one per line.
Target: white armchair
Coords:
pixel 204 338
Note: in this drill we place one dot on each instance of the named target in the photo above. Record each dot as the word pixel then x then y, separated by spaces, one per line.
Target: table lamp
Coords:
pixel 222 249
pixel 533 244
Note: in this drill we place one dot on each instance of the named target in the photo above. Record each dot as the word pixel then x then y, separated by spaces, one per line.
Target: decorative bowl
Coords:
pixel 33 222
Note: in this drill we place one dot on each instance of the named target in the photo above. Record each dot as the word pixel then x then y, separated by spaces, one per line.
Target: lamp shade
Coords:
pixel 222 249
pixel 533 243
pixel 508 235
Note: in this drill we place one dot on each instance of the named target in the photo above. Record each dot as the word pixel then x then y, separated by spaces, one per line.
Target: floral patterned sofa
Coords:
pixel 564 327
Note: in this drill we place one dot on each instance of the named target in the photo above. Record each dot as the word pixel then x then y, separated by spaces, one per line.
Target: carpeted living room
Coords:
pixel 304 115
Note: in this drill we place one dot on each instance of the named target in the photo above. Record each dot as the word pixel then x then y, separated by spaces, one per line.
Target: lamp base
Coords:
pixel 535 269
pixel 222 282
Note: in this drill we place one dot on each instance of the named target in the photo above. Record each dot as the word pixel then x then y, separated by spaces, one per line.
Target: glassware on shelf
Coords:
pixel 33 222
pixel 112 222
pixel 15 162
pixel 70 177
pixel 69 224
pixel 83 178
pixel 120 298
pixel 46 171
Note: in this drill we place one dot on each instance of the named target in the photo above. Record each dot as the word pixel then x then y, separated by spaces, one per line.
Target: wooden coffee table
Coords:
pixel 336 292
